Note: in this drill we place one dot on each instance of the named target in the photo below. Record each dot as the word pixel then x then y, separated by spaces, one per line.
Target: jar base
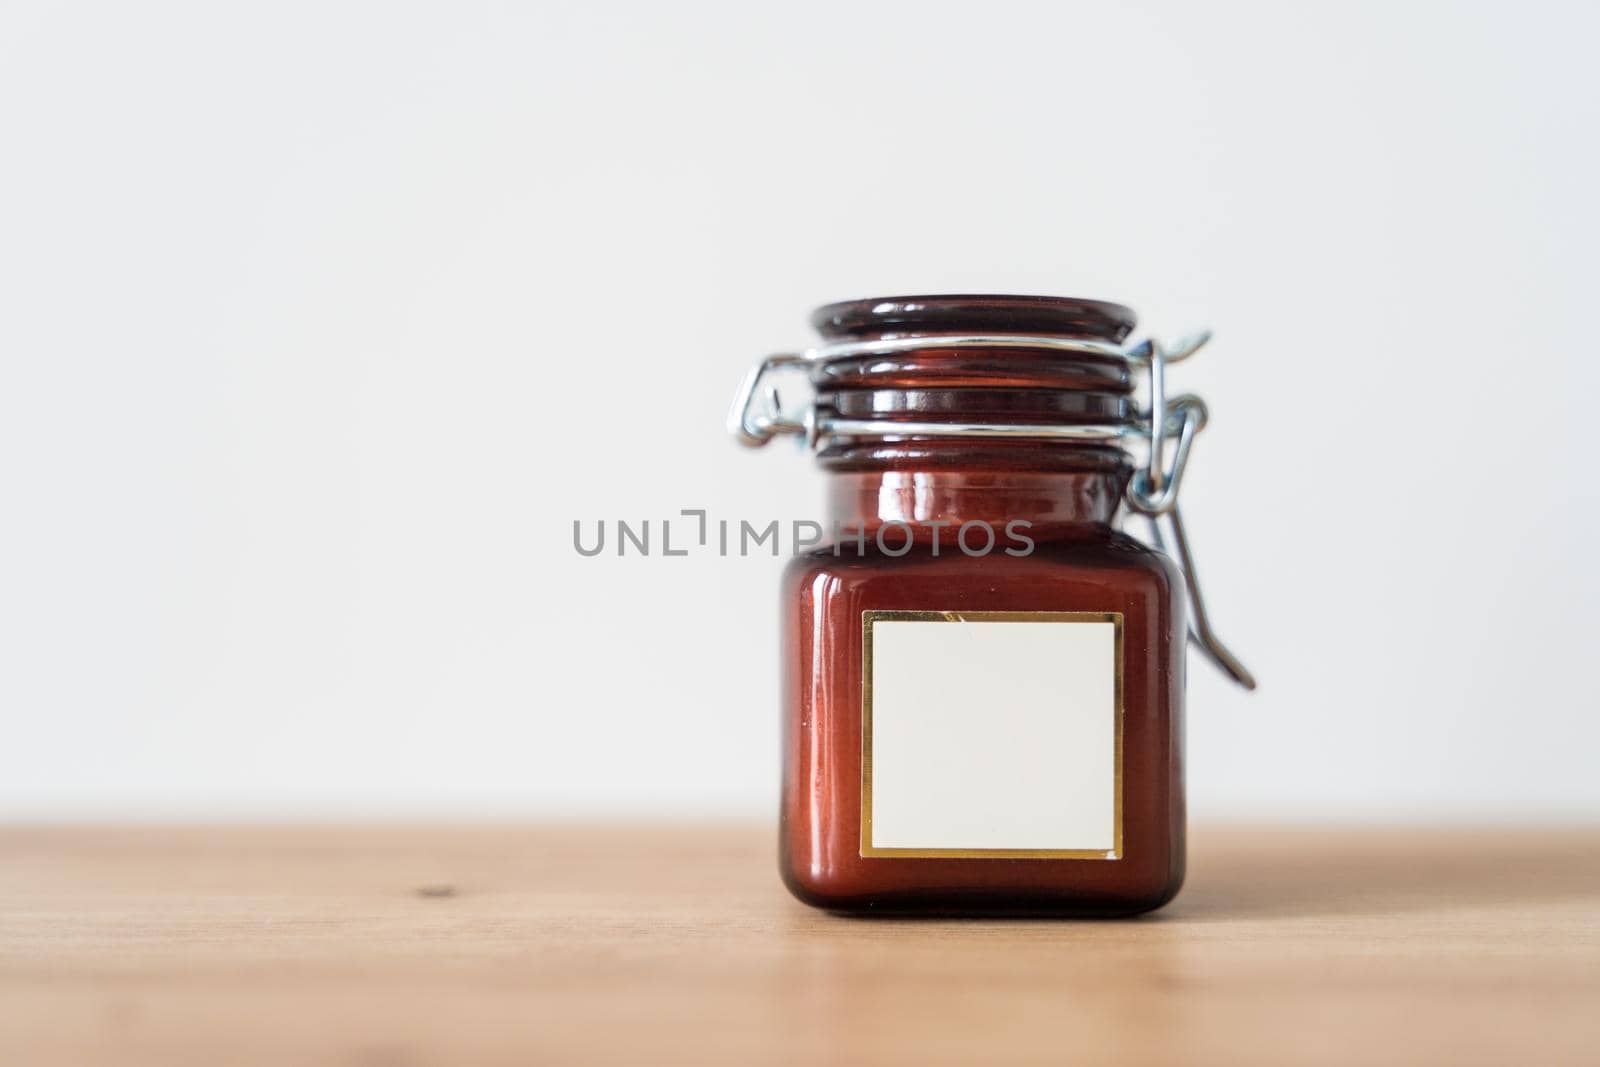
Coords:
pixel 987 902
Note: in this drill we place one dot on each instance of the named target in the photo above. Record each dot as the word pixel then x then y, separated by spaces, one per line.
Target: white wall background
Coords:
pixel 320 323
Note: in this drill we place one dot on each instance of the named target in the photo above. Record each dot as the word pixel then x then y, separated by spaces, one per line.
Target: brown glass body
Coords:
pixel 1069 495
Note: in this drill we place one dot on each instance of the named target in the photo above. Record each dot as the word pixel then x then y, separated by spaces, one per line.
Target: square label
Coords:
pixel 992 734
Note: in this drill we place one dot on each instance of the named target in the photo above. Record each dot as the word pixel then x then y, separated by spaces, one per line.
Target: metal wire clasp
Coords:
pixel 1152 491
pixel 755 428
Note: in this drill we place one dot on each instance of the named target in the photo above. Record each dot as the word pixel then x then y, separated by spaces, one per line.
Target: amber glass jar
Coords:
pixel 983 677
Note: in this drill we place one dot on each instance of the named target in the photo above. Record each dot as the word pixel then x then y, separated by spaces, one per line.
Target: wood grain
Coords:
pixel 644 945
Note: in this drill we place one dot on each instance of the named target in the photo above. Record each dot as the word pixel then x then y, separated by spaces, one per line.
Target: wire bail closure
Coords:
pixel 757 416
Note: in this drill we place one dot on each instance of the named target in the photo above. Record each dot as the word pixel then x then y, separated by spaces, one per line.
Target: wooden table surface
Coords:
pixel 397 946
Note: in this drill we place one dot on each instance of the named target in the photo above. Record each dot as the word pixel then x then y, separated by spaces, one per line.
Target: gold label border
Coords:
pixel 868 850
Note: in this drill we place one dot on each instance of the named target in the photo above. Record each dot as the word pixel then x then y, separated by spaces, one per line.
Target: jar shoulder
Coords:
pixel 1112 552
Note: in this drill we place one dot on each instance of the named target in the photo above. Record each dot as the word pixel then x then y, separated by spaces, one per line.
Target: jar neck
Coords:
pixel 1052 503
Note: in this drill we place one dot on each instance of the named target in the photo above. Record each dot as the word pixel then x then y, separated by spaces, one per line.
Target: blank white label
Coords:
pixel 991 732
